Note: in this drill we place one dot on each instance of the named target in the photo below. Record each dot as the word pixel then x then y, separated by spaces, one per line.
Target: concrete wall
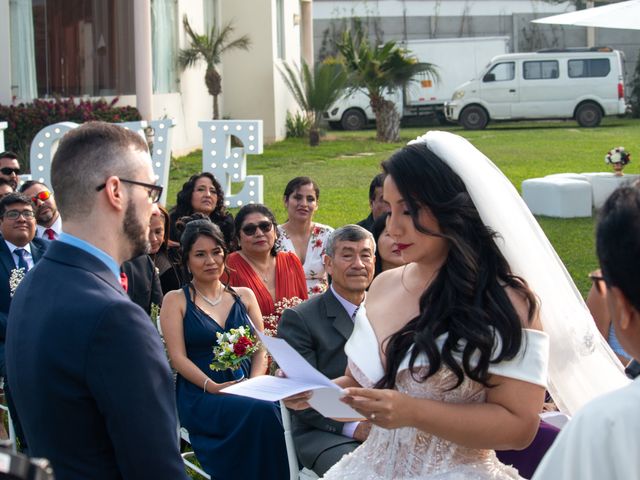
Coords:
pixel 252 84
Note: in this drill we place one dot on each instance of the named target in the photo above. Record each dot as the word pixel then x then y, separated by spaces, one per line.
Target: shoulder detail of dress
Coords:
pixel 529 365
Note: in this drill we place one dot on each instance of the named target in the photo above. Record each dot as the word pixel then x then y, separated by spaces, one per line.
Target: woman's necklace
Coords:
pixel 264 277
pixel 213 303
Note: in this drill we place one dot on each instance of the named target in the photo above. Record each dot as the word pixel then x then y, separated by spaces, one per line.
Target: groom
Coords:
pixel 603 439
pixel 86 367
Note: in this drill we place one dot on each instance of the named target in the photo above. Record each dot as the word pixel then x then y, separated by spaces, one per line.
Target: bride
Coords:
pixel 447 359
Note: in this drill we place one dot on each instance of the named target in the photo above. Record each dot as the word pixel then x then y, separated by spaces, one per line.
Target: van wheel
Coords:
pixel 353 119
pixel 474 118
pixel 588 115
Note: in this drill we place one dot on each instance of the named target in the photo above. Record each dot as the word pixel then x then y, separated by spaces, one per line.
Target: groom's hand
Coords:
pixel 300 401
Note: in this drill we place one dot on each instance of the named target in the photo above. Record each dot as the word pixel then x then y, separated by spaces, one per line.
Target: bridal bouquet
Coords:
pixel 232 348
pixel 617 155
pixel 17 274
pixel 271 321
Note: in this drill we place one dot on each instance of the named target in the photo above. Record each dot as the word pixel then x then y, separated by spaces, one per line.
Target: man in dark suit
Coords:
pixel 76 344
pixel 18 249
pixel 318 330
pixel 376 203
pixel 18 229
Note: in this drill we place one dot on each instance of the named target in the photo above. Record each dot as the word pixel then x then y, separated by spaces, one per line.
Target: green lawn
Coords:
pixel 345 162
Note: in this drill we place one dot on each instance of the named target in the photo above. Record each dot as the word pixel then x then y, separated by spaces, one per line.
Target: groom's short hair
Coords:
pixel 618 242
pixel 86 157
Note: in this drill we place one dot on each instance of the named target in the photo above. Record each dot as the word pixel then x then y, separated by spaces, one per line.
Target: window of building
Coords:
pixel 589 67
pixel 541 70
pixel 164 45
pixel 501 72
pixel 280 43
pixel 84 47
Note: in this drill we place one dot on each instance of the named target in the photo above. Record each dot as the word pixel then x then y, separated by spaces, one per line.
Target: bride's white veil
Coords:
pixel 581 363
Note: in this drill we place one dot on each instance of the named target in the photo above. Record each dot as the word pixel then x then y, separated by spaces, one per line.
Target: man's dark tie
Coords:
pixel 124 281
pixel 51 235
pixel 22 262
pixel 355 312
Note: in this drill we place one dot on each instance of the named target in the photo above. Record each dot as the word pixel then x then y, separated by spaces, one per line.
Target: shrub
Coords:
pixel 27 119
pixel 298 125
pixel 634 98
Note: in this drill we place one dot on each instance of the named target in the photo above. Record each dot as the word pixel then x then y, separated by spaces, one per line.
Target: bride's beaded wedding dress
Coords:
pixel 409 453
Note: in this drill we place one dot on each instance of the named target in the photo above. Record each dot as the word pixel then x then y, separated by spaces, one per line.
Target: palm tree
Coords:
pixel 378 70
pixel 209 48
pixel 315 91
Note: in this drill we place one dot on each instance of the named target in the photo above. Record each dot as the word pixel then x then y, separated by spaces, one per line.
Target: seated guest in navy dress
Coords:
pixel 229 434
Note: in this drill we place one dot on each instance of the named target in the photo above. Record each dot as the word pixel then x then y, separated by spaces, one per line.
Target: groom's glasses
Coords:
pixel 154 191
pixel 250 228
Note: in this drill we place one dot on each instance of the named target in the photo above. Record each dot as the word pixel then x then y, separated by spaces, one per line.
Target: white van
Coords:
pixel 585 84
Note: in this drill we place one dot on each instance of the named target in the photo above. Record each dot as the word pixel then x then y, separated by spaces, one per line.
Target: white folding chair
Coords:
pixel 187 457
pixel 294 468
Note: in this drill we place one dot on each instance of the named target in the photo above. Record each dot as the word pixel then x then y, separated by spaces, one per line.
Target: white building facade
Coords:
pixel 105 49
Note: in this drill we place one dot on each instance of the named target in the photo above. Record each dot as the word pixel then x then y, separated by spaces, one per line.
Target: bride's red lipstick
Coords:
pixel 402 246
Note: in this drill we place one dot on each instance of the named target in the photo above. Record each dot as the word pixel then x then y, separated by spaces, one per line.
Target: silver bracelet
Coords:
pixel 204 385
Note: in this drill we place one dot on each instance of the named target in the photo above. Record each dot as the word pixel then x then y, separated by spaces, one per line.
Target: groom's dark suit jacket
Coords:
pixel 318 330
pixel 7 264
pixel 89 375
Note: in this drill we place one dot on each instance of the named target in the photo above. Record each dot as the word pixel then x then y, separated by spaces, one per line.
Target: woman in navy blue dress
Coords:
pixel 231 435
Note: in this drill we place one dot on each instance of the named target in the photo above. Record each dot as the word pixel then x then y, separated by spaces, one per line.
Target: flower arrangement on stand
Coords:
pixel 271 325
pixel 618 158
pixel 233 347
pixel 17 274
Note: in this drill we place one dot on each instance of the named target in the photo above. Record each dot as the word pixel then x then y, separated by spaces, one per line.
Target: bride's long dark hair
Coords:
pixel 467 299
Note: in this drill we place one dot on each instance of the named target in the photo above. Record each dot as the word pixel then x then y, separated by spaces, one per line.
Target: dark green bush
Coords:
pixel 27 119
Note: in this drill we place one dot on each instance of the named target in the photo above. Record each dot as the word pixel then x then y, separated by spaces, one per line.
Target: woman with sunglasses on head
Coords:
pixel 165 258
pixel 202 193
pixel 301 235
pixel 228 433
pixel 272 276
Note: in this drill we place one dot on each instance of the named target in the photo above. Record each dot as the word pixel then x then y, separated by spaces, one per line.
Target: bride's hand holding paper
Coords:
pixel 385 408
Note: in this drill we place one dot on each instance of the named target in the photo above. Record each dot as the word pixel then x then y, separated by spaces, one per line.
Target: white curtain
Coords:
pixel 23 57
pixel 163 28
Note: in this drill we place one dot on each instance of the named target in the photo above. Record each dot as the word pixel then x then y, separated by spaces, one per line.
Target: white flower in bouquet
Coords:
pixel 17 274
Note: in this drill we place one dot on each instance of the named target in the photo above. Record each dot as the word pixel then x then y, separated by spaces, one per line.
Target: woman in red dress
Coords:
pixel 273 276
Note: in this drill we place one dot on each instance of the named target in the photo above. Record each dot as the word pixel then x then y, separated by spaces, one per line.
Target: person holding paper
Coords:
pixel 228 433
pixel 447 360
pixel 318 330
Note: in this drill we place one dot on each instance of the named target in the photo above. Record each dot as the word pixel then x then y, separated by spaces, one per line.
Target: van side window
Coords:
pixel 589 67
pixel 540 70
pixel 501 72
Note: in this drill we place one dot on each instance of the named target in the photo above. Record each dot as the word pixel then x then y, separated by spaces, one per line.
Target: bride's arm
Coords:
pixel 171 320
pixel 508 420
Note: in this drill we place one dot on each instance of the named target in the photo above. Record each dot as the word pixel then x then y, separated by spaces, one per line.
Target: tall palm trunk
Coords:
pixel 213 80
pixel 387 119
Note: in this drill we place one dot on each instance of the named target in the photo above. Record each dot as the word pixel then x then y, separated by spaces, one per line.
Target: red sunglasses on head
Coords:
pixel 42 196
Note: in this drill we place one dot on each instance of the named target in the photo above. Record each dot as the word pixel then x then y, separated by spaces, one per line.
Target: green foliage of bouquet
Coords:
pixel 233 347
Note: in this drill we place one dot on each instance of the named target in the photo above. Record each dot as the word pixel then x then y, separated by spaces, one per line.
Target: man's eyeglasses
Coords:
pixel 14 214
pixel 250 228
pixel 42 196
pixel 154 191
pixel 9 171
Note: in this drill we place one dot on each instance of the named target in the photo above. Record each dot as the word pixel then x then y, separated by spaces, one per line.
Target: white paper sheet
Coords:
pixel 301 377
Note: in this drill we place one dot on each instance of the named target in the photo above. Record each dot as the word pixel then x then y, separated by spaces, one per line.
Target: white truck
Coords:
pixel 456 59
